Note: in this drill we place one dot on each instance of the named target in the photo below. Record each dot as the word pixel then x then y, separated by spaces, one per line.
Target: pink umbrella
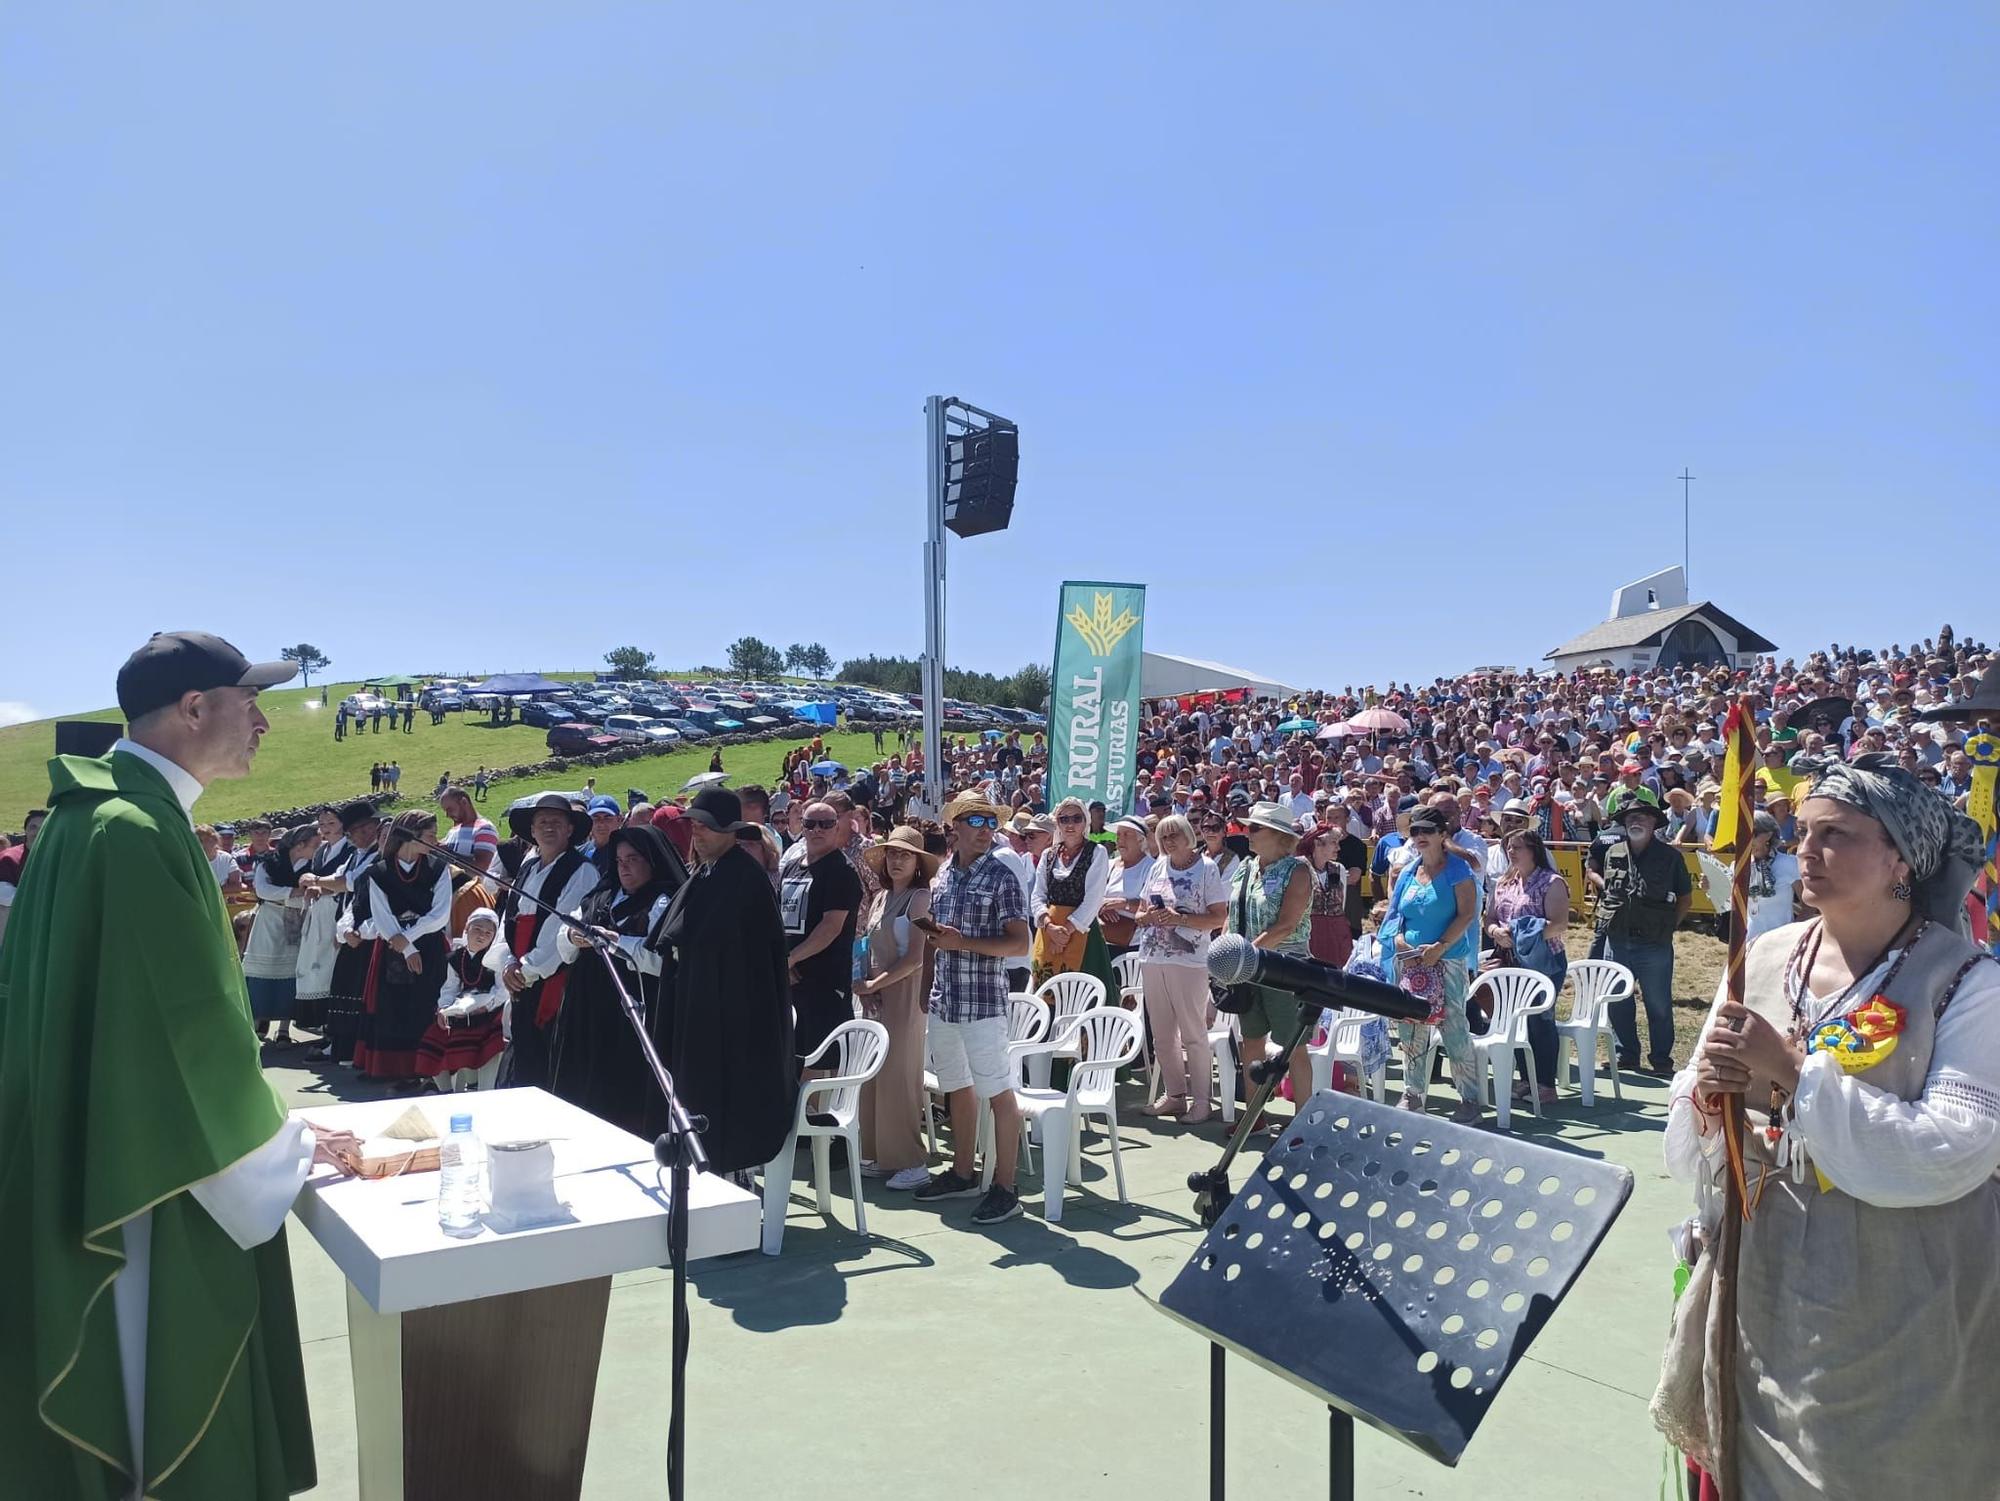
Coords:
pixel 1379 719
pixel 1334 732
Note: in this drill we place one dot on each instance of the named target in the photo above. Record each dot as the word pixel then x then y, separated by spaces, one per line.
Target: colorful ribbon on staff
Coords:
pixel 1983 751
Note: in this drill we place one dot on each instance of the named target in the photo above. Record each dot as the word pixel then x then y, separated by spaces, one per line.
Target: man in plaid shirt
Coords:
pixel 978 919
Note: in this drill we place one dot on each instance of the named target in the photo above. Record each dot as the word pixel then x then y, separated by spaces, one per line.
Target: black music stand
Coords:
pixel 1396 1266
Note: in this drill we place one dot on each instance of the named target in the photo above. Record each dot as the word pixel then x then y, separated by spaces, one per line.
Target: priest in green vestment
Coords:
pixel 148 1341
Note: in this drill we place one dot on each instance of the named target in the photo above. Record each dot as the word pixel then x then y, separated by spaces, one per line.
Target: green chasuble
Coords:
pixel 128 1072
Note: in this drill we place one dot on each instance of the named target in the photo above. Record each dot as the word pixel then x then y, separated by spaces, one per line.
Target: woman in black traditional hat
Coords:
pixel 558 873
pixel 596 1059
pixel 732 1017
pixel 364 829
pixel 409 905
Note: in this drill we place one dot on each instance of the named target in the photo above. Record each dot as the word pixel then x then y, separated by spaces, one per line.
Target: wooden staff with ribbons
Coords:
pixel 1735 833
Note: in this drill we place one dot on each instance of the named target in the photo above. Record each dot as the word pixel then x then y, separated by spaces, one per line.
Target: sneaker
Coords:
pixel 999 1204
pixel 870 1168
pixel 909 1178
pixel 947 1185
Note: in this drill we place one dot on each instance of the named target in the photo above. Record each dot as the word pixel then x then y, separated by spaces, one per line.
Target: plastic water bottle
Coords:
pixel 461 1169
pixel 860 958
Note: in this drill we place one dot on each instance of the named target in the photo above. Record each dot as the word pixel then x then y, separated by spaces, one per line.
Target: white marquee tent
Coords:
pixel 1166 676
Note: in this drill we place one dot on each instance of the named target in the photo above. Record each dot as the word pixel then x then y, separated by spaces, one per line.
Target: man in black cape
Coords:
pixel 732 1049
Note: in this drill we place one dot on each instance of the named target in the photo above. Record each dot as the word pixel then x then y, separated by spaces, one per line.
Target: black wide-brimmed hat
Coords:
pixel 717 808
pixel 358 811
pixel 521 817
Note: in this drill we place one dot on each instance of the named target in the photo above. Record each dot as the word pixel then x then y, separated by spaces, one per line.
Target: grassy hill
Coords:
pixel 300 762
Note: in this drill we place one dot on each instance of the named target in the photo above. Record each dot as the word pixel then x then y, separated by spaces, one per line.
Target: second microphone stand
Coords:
pixel 678 1149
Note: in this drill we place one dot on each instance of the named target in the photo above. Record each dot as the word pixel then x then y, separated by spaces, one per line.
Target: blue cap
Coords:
pixel 461 1123
pixel 603 804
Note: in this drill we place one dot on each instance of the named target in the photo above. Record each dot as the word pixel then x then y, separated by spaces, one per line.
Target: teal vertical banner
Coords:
pixel 1094 693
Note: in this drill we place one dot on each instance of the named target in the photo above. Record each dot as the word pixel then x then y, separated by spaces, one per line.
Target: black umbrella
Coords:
pixel 1833 710
pixel 1984 703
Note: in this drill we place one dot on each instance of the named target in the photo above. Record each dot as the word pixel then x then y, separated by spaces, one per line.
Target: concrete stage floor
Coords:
pixel 935 1358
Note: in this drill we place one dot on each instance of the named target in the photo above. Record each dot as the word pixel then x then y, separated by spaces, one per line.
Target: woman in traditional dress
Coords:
pixel 313 974
pixel 409 903
pixel 367 832
pixel 596 1062
pixel 282 880
pixel 556 872
pixel 1070 882
pixel 463 1047
pixel 1329 937
pixel 1865 1343
pixel 893 993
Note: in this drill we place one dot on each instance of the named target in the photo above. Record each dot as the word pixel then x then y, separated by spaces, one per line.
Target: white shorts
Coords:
pixel 971 1054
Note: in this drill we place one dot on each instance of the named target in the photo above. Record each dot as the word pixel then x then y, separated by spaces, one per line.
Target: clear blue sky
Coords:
pixel 300 303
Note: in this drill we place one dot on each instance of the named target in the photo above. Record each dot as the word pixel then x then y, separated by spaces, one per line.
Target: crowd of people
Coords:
pixel 1404 832
pixel 434 950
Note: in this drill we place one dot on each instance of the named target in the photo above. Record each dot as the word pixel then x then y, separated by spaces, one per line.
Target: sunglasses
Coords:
pixel 821 823
pixel 1069 818
pixel 974 821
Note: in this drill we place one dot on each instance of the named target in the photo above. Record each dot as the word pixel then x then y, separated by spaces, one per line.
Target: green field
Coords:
pixel 301 763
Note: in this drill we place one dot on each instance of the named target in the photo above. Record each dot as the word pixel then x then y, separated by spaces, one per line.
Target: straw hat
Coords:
pixel 1272 816
pixel 969 803
pixel 876 856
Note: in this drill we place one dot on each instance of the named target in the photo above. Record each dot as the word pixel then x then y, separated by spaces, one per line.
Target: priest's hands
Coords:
pixel 331 1147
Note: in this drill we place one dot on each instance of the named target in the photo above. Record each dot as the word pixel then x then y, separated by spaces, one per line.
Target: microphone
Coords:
pixel 1234 960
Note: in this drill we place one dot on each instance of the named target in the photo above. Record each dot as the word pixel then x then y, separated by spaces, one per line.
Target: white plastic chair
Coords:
pixel 1597 982
pixel 1069 997
pixel 1517 995
pixel 1027 1023
pixel 862 1045
pixel 1222 1040
pixel 1110 1035
pixel 1132 996
pixel 1343 1041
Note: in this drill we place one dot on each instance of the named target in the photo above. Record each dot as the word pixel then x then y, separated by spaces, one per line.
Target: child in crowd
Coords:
pixel 464 1045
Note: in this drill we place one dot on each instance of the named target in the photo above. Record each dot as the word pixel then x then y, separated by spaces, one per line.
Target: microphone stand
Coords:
pixel 1211 1185
pixel 678 1149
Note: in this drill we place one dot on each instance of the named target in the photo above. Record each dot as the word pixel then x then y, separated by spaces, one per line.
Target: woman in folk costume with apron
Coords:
pixel 1070 883
pixel 463 1047
pixel 313 973
pixel 409 903
pixel 535 977
pixel 596 1059
pixel 1864 1346
pixel 282 879
pixel 366 831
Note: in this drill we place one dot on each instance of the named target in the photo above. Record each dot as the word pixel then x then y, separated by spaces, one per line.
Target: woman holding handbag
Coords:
pixel 893 992
pixel 1433 903
pixel 1530 913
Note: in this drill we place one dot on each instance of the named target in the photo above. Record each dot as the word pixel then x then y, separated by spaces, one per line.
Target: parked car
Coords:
pixel 689 729
pixel 544 715
pixel 579 739
pixel 660 732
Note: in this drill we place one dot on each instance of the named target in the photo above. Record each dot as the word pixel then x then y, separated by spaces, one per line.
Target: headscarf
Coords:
pixel 1943 847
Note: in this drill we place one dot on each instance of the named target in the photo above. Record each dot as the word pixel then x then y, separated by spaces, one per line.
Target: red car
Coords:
pixel 580 739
